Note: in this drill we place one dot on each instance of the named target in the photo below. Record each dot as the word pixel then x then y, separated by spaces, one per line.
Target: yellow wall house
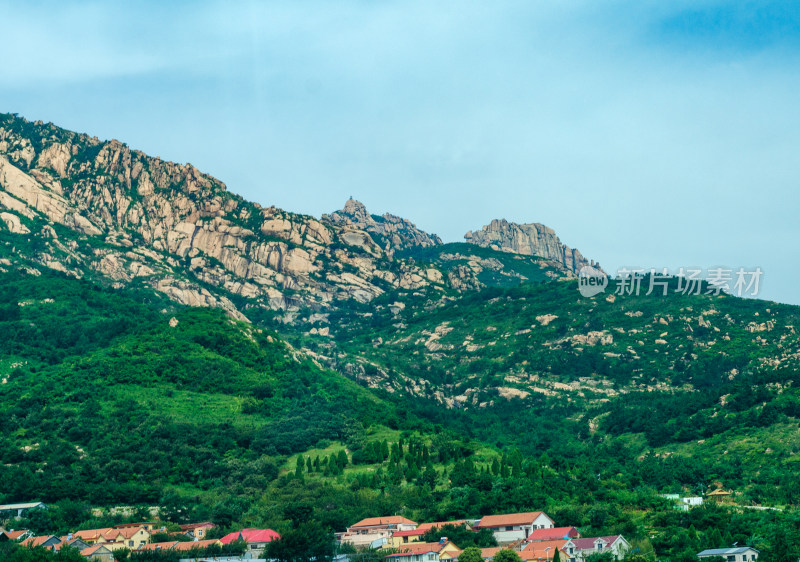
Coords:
pixel 127 537
pixel 402 538
pixel 91 536
pixel 426 552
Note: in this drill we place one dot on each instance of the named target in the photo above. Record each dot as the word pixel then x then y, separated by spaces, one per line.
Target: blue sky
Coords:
pixel 648 134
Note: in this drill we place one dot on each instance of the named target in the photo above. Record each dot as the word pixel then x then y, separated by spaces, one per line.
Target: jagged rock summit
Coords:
pixel 389 231
pixel 532 239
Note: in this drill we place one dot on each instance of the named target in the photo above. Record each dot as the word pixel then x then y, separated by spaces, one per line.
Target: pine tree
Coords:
pixel 301 464
pixel 309 465
pixel 496 467
pixel 384 450
pixel 342 460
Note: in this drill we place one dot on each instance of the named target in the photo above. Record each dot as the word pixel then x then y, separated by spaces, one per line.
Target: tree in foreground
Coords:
pixel 506 555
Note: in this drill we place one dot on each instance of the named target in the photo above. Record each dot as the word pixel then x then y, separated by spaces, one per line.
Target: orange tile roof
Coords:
pixel 380 521
pixel 15 535
pixel 423 547
pixel 440 524
pixel 92 549
pixel 491 552
pixel 159 546
pixel 124 532
pixel 545 549
pixel 91 534
pixel 192 526
pixel 37 541
pixel 508 519
pixel 196 544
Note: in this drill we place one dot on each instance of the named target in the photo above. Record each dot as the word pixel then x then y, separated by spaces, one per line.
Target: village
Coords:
pixel 524 536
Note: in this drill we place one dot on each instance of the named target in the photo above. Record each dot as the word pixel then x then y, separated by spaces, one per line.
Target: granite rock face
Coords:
pixel 101 209
pixel 390 232
pixel 528 239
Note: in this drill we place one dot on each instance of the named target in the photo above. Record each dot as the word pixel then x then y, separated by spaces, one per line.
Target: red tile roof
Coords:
pixel 411 533
pixel 509 519
pixel 383 521
pixel 552 534
pixel 251 535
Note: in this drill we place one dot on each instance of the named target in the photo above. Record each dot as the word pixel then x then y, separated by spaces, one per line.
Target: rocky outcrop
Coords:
pixel 389 231
pixel 529 239
pixel 127 216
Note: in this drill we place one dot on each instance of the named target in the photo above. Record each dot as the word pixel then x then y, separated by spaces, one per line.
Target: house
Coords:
pixel 73 542
pixel 553 534
pixel 720 496
pixel 739 554
pixel 97 552
pixel 13 535
pixel 12 510
pixel 545 550
pixel 127 537
pixel 692 501
pixel 256 540
pixel 583 548
pixel 400 538
pixel 149 526
pixel 92 536
pixel 488 554
pixel 46 541
pixel 427 552
pixel 425 527
pixel 160 545
pixel 197 530
pixel 513 527
pixel 196 545
pixel 375 530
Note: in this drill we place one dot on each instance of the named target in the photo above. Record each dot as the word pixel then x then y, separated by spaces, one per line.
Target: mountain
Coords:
pixel 100 209
pixel 528 239
pixel 168 343
pixel 390 231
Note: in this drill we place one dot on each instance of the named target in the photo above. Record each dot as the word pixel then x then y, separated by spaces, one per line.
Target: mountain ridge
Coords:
pixel 101 209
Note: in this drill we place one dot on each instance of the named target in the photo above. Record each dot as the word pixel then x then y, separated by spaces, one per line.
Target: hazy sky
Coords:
pixel 660 134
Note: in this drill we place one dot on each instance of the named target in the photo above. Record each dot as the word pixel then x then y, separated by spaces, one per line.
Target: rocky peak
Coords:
pixel 532 239
pixel 389 231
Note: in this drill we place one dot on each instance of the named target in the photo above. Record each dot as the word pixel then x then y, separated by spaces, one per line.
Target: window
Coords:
pixel 509 528
pixel 731 558
pixel 431 557
pixel 130 543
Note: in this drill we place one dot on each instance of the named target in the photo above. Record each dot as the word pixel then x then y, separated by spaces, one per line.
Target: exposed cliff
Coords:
pixel 99 208
pixel 528 239
pixel 390 231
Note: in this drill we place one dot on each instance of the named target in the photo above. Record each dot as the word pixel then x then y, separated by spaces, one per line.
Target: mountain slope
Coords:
pixel 101 209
